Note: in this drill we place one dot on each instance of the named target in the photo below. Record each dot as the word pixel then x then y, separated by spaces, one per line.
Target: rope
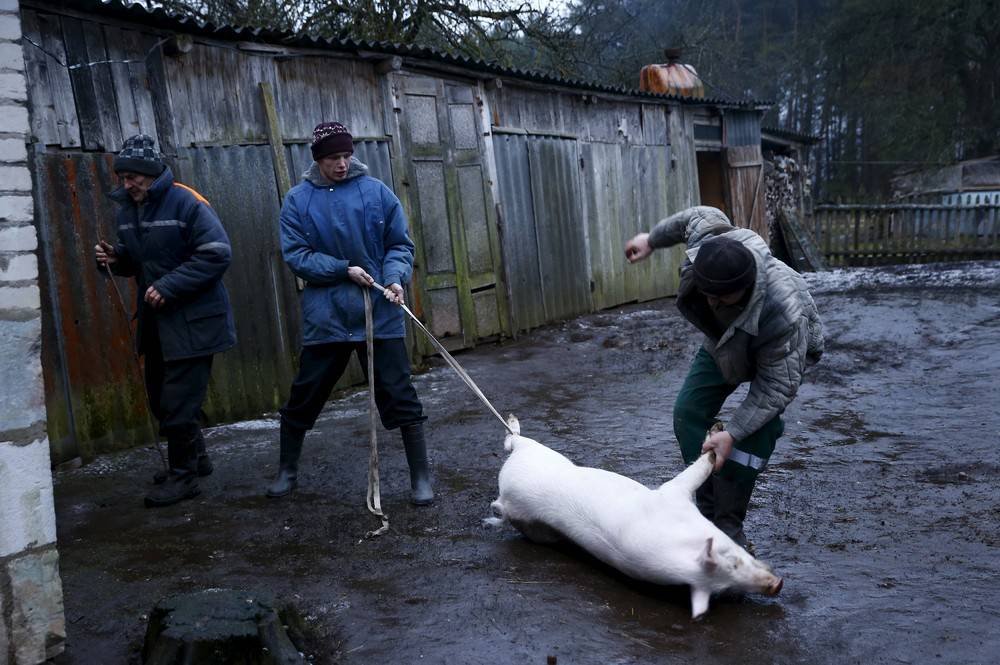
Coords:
pixel 451 361
pixel 135 357
pixel 374 497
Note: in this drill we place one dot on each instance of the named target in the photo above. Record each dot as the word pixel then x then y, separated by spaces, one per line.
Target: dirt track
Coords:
pixel 880 507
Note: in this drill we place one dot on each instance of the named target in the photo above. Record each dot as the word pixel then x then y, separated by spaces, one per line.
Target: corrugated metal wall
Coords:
pixel 741 127
pixel 93 385
pixel 544 228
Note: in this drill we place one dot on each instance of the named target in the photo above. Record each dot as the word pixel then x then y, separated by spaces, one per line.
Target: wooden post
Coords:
pixel 281 176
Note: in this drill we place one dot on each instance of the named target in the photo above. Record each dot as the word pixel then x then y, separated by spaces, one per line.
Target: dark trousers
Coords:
pixel 321 366
pixel 695 410
pixel 176 391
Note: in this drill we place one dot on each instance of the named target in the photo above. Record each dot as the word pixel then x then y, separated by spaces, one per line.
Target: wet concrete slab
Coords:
pixel 880 507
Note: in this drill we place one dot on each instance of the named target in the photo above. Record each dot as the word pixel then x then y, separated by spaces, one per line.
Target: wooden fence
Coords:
pixel 854 234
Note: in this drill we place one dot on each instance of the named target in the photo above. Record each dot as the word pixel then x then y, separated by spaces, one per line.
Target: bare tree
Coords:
pixel 489 29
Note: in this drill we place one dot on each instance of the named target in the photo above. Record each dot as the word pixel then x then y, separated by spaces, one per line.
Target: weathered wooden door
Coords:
pixel 458 266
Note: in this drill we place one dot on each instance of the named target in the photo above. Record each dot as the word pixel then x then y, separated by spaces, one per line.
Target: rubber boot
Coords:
pixel 182 480
pixel 288 461
pixel 421 493
pixel 731 500
pixel 205 466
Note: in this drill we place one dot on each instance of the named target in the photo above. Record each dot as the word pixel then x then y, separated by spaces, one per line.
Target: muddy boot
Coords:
pixel 731 500
pixel 288 461
pixel 182 481
pixel 421 493
pixel 205 466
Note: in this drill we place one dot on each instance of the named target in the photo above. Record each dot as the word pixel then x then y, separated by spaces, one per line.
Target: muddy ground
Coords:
pixel 880 508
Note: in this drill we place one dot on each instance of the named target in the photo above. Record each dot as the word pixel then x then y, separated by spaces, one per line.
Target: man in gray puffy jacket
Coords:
pixel 760 325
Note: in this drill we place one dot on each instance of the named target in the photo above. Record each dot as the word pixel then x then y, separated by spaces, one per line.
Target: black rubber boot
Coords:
pixel 205 466
pixel 288 461
pixel 731 500
pixel 421 493
pixel 182 481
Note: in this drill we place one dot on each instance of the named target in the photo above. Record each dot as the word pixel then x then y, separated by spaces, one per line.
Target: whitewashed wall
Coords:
pixel 32 627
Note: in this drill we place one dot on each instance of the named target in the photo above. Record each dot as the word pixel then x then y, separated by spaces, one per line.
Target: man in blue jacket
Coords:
pixel 171 241
pixel 342 230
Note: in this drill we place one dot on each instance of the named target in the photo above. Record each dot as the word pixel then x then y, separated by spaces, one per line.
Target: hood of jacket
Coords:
pixel 315 177
pixel 160 186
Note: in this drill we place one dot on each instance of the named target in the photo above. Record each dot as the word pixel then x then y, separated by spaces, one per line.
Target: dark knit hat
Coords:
pixel 139 155
pixel 723 266
pixel 330 138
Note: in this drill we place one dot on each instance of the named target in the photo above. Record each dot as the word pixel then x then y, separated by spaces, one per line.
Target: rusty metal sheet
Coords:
pixel 94 389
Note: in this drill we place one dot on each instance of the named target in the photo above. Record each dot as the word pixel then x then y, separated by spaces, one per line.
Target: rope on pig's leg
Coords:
pixel 138 364
pixel 374 497
pixel 452 362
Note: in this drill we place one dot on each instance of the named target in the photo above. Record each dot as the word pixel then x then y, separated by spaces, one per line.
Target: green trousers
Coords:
pixel 695 411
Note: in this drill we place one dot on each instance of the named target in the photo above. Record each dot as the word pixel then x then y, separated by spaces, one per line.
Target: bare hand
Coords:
pixel 105 253
pixel 360 277
pixel 153 298
pixel 638 249
pixel 722 444
pixel 394 294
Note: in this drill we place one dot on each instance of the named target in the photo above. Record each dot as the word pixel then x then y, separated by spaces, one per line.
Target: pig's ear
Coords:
pixel 707 558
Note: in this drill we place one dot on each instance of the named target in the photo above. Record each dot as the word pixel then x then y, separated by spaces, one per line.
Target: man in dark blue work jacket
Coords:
pixel 172 242
pixel 342 230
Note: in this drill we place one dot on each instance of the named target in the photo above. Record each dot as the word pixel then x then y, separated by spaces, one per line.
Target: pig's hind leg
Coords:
pixel 498 518
pixel 538 532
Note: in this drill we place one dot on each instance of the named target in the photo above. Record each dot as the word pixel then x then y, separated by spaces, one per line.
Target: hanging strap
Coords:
pixel 451 361
pixel 374 498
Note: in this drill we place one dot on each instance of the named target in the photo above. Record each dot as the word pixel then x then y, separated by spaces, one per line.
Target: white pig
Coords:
pixel 653 535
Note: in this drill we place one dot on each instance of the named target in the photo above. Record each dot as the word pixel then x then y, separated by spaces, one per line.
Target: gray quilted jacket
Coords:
pixel 773 339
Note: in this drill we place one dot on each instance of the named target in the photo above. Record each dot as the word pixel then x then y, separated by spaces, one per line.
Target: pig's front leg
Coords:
pixel 699 601
pixel 691 478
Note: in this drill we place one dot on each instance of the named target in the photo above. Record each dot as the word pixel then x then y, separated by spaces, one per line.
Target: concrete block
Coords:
pixel 37 620
pixel 13 87
pixel 11 56
pixel 18 268
pixel 26 507
pixel 14 120
pixel 10 27
pixel 20 297
pixel 22 401
pixel 13 150
pixel 18 238
pixel 17 208
pixel 14 178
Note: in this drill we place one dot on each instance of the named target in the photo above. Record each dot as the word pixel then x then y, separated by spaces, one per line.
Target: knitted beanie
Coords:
pixel 139 155
pixel 723 266
pixel 330 138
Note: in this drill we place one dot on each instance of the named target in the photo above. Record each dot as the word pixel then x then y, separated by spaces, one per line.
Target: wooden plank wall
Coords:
pixel 595 171
pixel 627 180
pixel 853 234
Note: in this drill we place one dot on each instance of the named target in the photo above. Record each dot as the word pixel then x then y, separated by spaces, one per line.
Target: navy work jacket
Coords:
pixel 179 247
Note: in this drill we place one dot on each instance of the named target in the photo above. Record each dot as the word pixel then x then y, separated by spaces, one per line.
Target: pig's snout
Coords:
pixel 775 588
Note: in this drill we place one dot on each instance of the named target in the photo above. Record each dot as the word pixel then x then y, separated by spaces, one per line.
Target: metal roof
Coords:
pixel 789 135
pixel 162 19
